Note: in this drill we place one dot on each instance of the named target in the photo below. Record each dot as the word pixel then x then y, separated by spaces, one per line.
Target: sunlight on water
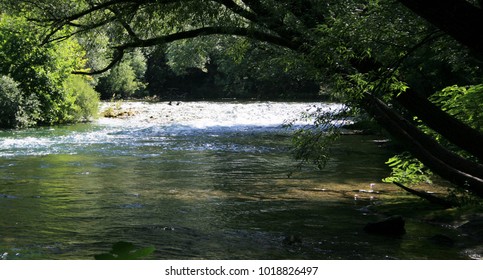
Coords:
pixel 219 114
pixel 155 124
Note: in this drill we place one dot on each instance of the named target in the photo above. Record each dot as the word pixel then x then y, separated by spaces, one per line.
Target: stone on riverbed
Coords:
pixel 392 226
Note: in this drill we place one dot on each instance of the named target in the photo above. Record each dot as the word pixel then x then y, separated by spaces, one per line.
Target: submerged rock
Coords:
pixel 392 226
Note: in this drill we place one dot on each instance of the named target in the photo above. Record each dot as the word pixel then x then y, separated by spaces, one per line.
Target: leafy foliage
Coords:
pixel 407 170
pixel 17 111
pixel 462 102
pixel 242 68
pixel 119 82
pixel 313 144
pixel 45 92
pixel 84 100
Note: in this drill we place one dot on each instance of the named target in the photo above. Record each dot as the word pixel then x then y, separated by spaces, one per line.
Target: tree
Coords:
pixel 365 47
pixel 38 79
pixel 17 111
pixel 158 73
pixel 241 68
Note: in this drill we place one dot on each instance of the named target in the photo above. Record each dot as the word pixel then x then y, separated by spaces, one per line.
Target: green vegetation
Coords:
pixel 18 111
pixel 407 170
pixel 37 87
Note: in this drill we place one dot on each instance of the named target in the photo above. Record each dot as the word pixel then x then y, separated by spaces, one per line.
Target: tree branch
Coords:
pixel 118 55
pixel 204 31
pixel 81 28
pixel 427 196
pixel 237 9
pixel 124 23
pixel 450 166
pixel 214 30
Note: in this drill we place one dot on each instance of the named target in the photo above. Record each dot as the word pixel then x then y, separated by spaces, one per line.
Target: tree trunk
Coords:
pixel 453 130
pixel 432 116
pixel 428 151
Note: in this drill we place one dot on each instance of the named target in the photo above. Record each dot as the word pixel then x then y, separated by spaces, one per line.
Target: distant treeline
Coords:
pixel 155 75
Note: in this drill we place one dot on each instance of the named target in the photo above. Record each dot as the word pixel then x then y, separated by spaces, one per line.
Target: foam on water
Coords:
pixel 222 114
pixel 157 124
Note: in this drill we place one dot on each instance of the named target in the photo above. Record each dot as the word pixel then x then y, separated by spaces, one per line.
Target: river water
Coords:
pixel 197 180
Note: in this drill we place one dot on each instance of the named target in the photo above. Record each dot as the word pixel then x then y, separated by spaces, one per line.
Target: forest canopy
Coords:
pixel 414 67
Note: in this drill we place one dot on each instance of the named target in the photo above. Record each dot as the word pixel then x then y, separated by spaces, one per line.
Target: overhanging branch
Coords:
pixel 214 30
pixel 204 31
pixel 118 55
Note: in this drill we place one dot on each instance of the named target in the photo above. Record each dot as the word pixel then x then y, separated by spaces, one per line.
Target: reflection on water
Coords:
pixel 196 187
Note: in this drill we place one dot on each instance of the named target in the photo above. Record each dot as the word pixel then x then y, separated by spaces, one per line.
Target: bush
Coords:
pixel 122 81
pixel 83 99
pixel 37 85
pixel 17 111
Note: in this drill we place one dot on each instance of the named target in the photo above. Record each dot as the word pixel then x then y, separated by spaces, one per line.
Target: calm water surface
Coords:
pixel 198 181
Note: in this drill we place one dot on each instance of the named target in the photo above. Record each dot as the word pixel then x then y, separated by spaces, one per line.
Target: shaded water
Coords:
pixel 198 181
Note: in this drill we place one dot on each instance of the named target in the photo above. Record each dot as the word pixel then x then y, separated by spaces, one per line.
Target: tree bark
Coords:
pixel 453 130
pixel 424 148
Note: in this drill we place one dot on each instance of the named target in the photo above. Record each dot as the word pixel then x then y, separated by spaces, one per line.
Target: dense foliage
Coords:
pixel 17 110
pixel 37 84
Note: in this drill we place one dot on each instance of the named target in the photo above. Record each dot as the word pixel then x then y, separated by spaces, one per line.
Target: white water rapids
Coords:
pixel 217 114
pixel 152 124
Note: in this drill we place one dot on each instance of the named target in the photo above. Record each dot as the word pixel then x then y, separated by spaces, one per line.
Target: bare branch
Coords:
pixel 215 30
pixel 125 24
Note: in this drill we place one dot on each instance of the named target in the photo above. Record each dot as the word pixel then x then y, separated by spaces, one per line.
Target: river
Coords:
pixel 196 180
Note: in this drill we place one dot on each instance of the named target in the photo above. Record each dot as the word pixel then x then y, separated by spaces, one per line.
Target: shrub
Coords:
pixel 17 111
pixel 46 92
pixel 83 99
